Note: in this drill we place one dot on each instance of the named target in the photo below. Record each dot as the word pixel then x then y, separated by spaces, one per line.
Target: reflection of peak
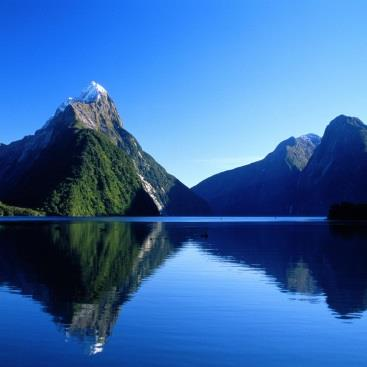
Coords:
pixel 97 347
pixel 299 260
pixel 92 268
pixel 92 322
pixel 301 280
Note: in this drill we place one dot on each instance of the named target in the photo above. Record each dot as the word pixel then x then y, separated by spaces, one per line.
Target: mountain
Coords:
pixel 303 176
pixel 337 171
pixel 83 162
pixel 266 187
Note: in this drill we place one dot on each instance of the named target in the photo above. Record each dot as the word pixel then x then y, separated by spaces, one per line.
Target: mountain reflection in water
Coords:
pixel 83 272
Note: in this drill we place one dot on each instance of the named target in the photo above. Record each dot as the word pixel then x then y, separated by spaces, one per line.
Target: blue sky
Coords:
pixel 203 85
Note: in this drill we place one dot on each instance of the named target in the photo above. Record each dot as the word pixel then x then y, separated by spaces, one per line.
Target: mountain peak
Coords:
pixel 303 141
pixel 343 120
pixel 296 152
pixel 310 138
pixel 93 109
pixel 92 93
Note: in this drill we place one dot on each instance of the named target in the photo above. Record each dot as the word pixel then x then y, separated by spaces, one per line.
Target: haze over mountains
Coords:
pixel 302 176
pixel 83 162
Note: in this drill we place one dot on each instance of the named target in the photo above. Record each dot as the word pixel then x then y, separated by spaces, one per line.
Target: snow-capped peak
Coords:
pixel 90 94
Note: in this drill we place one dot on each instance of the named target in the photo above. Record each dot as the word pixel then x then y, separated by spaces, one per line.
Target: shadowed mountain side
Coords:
pixel 302 176
pixel 337 170
pixel 90 271
pixel 266 187
pixel 348 211
pixel 170 195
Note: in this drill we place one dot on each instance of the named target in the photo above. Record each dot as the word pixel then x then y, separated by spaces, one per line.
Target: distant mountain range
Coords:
pixel 302 176
pixel 83 162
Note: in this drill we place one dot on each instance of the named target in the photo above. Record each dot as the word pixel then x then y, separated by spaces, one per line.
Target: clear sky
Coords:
pixel 203 85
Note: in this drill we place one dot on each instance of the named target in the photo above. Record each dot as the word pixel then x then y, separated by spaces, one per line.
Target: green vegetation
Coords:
pixel 102 254
pixel 86 259
pixel 7 210
pixel 101 179
pixel 82 173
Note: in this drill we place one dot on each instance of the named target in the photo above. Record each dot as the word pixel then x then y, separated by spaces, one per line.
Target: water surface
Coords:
pixel 111 292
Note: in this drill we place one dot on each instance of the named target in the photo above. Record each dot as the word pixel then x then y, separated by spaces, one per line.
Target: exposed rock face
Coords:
pixel 266 187
pixel 99 114
pixel 72 160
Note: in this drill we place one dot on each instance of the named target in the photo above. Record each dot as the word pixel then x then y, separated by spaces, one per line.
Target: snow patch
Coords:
pixel 92 93
pixel 311 138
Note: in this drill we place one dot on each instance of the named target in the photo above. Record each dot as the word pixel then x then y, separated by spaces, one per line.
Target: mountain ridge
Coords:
pixel 264 187
pixel 325 171
pixel 83 161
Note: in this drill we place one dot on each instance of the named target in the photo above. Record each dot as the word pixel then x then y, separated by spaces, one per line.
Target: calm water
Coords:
pixel 113 293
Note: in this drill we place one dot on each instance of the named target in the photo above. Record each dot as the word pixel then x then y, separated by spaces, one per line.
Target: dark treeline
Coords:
pixel 348 211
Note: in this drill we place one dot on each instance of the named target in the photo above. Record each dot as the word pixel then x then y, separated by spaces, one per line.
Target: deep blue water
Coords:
pixel 194 292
